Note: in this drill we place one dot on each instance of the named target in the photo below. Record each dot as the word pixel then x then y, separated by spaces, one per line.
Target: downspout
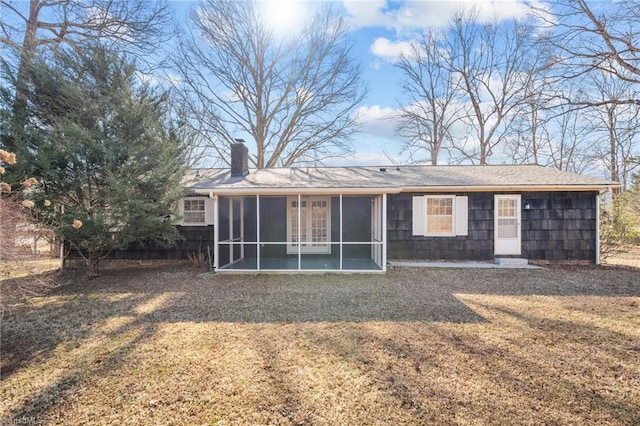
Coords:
pixel 597 259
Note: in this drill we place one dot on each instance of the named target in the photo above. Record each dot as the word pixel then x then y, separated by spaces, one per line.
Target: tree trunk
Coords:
pixel 27 54
pixel 92 266
pixel 7 229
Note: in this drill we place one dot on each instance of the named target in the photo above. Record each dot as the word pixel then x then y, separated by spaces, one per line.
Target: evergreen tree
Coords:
pixel 107 160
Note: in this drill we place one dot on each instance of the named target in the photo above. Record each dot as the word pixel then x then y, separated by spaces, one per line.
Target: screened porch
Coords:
pixel 316 233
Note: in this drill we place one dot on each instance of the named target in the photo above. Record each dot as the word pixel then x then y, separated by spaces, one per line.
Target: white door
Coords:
pixel 507 225
pixel 314 228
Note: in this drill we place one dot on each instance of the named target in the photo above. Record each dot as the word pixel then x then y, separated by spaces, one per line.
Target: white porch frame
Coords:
pixel 378 240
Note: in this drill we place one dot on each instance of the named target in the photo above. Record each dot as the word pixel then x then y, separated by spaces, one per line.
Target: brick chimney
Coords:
pixel 239 159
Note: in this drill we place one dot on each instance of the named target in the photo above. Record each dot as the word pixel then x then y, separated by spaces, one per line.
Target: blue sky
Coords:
pixel 381 31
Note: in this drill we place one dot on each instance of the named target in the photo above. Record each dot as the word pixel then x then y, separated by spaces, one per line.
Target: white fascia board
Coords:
pixel 296 191
pixel 376 190
pixel 508 188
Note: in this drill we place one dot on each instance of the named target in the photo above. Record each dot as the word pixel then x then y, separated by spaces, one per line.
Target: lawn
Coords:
pixel 414 346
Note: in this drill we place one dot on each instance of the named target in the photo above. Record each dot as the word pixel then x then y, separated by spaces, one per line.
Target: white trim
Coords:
pixel 461 215
pixel 506 188
pixel 242 227
pixel 426 216
pixel 340 239
pixel 303 271
pixel 418 211
pixel 181 211
pixel 231 236
pixel 376 230
pixel 597 259
pixel 257 232
pixel 396 190
pixel 518 210
pixel 283 192
pixel 384 232
pixel 216 230
pixel 298 232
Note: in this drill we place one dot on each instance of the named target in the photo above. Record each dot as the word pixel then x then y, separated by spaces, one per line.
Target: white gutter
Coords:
pixel 521 188
pixel 397 190
pixel 295 191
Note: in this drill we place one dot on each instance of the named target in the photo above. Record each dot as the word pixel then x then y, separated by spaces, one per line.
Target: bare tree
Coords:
pixel 294 96
pixel 493 63
pixel 135 26
pixel 548 131
pixel 616 126
pixel 568 145
pixel 596 49
pixel 603 37
pixel 432 91
pixel 531 133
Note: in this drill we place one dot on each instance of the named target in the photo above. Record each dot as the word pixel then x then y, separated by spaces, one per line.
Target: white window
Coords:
pixel 312 232
pixel 193 210
pixel 440 215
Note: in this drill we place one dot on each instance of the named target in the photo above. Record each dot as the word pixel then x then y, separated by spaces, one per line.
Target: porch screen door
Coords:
pixel 507 225
pixel 313 233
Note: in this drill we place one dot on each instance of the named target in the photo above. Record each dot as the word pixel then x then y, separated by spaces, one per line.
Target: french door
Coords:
pixel 308 225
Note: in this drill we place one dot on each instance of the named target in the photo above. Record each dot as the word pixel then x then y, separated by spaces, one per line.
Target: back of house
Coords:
pixel 358 218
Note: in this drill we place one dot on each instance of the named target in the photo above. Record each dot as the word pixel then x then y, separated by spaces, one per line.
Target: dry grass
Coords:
pixel 11 269
pixel 625 256
pixel 23 279
pixel 416 346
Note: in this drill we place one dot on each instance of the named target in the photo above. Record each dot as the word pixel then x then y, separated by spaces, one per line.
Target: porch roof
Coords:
pixel 374 180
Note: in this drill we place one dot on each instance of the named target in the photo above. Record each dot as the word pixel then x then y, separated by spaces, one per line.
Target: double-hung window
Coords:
pixel 193 210
pixel 440 215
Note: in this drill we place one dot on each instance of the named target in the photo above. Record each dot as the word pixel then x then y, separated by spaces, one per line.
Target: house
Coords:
pixel 357 218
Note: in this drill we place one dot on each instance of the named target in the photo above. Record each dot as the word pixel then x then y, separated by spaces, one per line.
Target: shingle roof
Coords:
pixel 403 178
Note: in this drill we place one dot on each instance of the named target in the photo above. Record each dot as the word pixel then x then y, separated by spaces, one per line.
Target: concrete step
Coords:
pixel 511 261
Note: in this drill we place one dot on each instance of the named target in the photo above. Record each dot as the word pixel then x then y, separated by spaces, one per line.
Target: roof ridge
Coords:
pixel 388 166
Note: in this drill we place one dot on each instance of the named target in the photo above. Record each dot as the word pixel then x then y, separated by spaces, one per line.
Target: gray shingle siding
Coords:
pixel 559 226
pixel 193 239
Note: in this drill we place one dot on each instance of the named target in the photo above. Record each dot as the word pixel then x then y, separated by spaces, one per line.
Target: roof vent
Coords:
pixel 383 169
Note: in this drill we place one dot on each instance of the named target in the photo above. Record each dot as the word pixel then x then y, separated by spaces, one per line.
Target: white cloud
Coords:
pixel 377 142
pixel 410 15
pixel 370 155
pixel 368 13
pixel 390 50
pixel 157 80
pixel 376 120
